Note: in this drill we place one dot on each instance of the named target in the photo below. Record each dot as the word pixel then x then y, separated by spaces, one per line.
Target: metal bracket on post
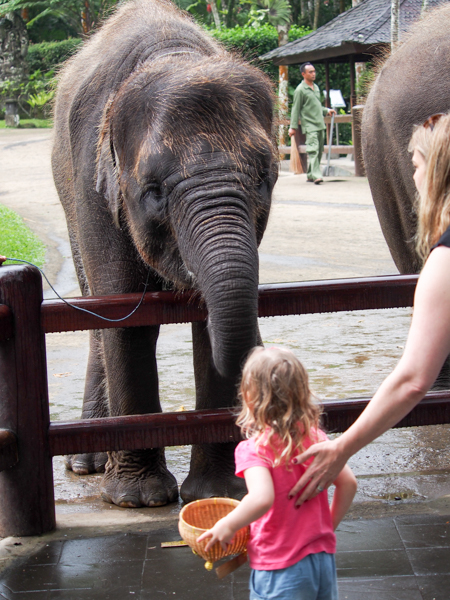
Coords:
pixel 26 489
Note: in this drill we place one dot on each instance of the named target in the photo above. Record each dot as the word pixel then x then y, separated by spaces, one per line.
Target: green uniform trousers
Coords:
pixel 315 141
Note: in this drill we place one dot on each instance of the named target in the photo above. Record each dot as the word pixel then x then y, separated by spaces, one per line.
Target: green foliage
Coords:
pixel 31 124
pixel 48 55
pixel 40 85
pixel 328 10
pixel 39 101
pixel 17 241
pixel 276 12
pixel 252 42
pixel 79 16
pixel 364 82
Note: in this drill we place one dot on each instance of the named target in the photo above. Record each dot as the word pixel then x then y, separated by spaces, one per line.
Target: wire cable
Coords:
pixel 85 310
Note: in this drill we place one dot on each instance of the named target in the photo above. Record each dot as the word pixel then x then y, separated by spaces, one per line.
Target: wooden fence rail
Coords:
pixel 28 440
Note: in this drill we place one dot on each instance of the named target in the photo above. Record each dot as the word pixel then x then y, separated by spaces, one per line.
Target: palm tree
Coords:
pixel 82 15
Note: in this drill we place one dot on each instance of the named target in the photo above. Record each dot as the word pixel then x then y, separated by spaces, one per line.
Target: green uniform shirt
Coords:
pixel 308 108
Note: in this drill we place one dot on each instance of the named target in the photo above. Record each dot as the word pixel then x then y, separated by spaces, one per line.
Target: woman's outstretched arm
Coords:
pixel 426 349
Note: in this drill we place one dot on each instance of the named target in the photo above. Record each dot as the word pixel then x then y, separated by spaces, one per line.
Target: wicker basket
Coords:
pixel 199 516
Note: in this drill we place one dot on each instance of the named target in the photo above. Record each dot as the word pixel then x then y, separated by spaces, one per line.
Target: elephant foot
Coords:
pixel 211 474
pixel 83 464
pixel 138 478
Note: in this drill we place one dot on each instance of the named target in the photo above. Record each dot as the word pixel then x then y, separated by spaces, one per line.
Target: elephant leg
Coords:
pixel 212 466
pixel 140 477
pixel 95 405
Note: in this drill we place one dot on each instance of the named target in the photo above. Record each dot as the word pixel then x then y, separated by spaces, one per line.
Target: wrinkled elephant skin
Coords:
pixel 164 160
pixel 412 85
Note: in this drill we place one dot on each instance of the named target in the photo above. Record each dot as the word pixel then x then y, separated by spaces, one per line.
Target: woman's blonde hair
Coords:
pixel 433 143
pixel 277 404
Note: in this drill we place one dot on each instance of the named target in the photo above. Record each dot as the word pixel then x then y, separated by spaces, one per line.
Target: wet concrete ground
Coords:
pixel 393 558
pixel 315 232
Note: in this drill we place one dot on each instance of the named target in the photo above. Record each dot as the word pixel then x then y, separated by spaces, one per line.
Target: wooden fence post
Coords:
pixel 26 490
pixel 357 112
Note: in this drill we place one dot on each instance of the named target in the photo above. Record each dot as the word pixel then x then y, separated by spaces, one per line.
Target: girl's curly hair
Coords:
pixel 277 404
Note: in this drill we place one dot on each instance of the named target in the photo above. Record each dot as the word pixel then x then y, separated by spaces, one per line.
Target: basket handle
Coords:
pixel 231 565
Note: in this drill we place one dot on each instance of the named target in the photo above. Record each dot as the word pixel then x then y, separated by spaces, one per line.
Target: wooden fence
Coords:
pixel 28 440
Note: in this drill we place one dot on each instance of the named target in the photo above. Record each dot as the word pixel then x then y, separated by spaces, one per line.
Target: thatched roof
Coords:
pixel 361 32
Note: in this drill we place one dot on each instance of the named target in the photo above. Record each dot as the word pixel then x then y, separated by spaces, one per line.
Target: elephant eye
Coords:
pixel 152 188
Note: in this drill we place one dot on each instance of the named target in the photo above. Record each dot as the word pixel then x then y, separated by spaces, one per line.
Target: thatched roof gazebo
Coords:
pixel 357 35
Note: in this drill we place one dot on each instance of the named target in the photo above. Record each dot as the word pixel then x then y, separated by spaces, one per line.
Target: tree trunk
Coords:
pixel 283 96
pixel 215 13
pixel 341 6
pixel 229 17
pixel 316 14
pixel 302 9
pixel 86 18
pixel 395 21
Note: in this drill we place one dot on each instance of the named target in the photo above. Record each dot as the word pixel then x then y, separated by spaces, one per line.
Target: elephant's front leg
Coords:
pixel 212 466
pixel 95 405
pixel 140 477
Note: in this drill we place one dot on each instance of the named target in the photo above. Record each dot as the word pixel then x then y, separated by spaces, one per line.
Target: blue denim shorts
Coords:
pixel 312 578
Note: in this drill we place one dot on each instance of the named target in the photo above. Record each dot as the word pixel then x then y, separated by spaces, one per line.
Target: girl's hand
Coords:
pixel 326 466
pixel 221 532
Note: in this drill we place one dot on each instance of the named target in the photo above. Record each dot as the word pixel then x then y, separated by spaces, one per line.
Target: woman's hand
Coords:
pixel 221 532
pixel 327 464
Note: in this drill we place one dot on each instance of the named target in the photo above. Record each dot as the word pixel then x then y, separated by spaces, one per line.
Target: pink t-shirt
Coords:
pixel 285 534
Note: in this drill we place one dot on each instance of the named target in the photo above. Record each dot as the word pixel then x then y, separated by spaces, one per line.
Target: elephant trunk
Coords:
pixel 217 241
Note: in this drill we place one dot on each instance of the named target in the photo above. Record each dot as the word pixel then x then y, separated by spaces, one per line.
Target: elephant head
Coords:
pixel 187 162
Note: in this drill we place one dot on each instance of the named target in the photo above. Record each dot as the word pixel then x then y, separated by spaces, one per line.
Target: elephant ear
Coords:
pixel 108 167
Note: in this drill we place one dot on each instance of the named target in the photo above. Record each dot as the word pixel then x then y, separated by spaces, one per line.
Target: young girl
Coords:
pixel 291 551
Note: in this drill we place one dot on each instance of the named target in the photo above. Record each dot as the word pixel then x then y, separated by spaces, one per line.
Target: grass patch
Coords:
pixel 17 240
pixel 30 124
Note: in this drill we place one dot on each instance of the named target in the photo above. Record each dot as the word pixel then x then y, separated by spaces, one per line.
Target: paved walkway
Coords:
pixel 397 558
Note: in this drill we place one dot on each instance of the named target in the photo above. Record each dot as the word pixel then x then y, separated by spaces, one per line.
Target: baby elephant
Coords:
pixel 164 160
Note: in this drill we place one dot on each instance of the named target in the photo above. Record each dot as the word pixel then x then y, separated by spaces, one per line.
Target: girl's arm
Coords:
pixel 344 493
pixel 254 505
pixel 426 349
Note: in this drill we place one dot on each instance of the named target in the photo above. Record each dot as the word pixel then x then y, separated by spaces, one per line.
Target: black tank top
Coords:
pixel 444 240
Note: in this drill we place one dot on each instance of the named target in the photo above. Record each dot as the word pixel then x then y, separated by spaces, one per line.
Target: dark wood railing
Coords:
pixel 28 440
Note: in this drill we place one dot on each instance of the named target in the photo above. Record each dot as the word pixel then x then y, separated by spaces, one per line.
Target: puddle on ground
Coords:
pixel 346 355
pixel 405 495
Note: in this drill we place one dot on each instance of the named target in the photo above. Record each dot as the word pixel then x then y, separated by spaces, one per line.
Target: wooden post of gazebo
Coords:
pixel 352 82
pixel 328 100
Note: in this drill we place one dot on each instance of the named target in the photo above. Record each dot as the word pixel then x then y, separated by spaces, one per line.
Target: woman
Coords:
pixel 428 342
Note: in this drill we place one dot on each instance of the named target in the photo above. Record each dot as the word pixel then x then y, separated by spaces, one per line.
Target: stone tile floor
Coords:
pixel 396 558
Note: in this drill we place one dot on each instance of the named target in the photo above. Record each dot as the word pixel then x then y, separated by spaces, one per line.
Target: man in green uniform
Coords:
pixel 308 107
